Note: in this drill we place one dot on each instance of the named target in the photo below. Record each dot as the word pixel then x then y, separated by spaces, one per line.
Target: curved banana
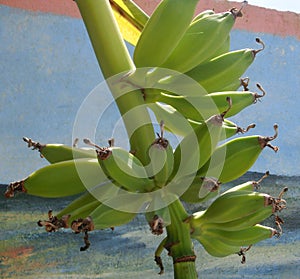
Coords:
pixel 202 189
pixel 200 40
pixel 244 237
pixel 55 153
pixel 245 222
pixel 163 31
pixel 224 70
pixel 105 217
pixel 230 129
pixel 60 179
pixel 200 107
pixel 233 206
pixel 216 247
pixel 206 137
pixel 203 14
pixel 173 120
pixel 161 159
pixel 235 157
pixel 123 167
pixel 84 199
pixel 249 185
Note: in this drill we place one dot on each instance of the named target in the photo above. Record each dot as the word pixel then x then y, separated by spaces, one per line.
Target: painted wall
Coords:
pixel 48 67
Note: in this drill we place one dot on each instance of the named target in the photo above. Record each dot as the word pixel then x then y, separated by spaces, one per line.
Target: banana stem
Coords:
pixel 179 244
pixel 113 58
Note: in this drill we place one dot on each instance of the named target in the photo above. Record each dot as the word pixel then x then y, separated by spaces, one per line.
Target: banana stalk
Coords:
pixel 114 59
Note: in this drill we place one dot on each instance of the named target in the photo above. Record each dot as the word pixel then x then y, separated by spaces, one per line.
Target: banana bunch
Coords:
pixel 199 40
pixel 232 220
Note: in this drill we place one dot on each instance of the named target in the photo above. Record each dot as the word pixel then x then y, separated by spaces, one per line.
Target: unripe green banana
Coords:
pixel 189 159
pixel 161 159
pixel 203 14
pixel 249 185
pixel 173 120
pixel 244 237
pixel 216 247
pixel 123 167
pixel 202 106
pixel 201 40
pixel 84 199
pixel 240 99
pixel 55 153
pixel 245 222
pixel 60 179
pixel 235 157
pixel 106 217
pixel 233 206
pixel 230 129
pixel 218 73
pixel 202 189
pixel 163 31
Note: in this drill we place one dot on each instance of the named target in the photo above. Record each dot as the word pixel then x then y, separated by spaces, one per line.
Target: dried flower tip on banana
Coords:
pixel 53 224
pixel 157 225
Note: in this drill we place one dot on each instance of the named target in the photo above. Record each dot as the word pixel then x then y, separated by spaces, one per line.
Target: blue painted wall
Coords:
pixel 48 67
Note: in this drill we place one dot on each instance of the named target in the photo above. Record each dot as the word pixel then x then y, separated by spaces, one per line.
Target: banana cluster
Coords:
pixel 232 220
pixel 190 80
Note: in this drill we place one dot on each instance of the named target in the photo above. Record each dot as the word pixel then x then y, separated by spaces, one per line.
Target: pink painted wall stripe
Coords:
pixel 255 19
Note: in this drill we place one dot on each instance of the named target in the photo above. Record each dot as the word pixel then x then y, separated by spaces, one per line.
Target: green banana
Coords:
pixel 233 206
pixel 161 158
pixel 249 185
pixel 216 247
pixel 245 222
pixel 105 217
pixel 196 148
pixel 235 157
pixel 244 237
pixel 55 153
pixel 202 106
pixel 173 120
pixel 123 167
pixel 230 129
pixel 177 124
pixel 83 199
pixel 60 179
pixel 200 40
pixel 171 18
pixel 202 189
pixel 222 71
pixel 203 14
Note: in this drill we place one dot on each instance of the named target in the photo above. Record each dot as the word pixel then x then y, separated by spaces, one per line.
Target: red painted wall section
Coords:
pixel 255 19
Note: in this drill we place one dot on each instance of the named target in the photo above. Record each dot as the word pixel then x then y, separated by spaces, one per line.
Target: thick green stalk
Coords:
pixel 179 243
pixel 113 58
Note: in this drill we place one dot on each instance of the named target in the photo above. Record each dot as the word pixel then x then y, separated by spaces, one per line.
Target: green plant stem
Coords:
pixel 179 243
pixel 113 58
